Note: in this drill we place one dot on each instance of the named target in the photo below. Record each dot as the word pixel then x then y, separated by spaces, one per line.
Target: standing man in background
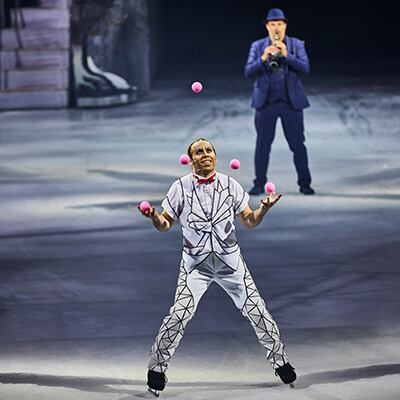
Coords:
pixel 276 63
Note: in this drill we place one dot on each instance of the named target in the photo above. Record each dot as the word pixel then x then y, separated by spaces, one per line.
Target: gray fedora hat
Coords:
pixel 275 14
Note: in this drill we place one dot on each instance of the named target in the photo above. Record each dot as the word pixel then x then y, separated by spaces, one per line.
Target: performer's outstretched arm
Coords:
pixel 250 218
pixel 161 222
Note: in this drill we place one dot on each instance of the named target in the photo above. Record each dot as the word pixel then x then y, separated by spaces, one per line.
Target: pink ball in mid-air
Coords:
pixel 197 87
pixel 270 187
pixel 235 164
pixel 144 206
pixel 184 159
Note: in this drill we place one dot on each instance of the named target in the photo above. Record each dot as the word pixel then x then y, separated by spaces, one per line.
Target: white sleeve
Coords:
pixel 173 201
pixel 240 196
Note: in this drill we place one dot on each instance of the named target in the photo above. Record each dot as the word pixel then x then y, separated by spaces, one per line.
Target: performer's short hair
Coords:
pixel 189 150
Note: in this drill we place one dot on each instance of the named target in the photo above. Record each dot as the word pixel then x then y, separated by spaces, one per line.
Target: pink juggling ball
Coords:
pixel 197 87
pixel 144 206
pixel 270 187
pixel 235 164
pixel 184 159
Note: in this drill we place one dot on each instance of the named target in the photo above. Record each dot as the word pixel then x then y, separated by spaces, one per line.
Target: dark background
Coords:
pixel 343 37
pixel 202 38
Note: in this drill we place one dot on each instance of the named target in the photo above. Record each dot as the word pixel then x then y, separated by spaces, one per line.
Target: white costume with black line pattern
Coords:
pixel 206 213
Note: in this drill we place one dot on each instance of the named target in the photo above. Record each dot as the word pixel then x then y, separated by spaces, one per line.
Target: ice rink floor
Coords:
pixel 85 280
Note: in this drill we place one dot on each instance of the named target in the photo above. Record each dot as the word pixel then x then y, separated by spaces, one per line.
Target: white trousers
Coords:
pixel 240 287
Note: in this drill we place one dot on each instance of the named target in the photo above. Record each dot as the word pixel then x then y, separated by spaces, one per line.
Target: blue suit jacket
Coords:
pixel 296 63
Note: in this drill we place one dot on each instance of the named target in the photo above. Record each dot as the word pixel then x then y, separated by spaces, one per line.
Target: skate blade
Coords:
pixel 291 385
pixel 155 393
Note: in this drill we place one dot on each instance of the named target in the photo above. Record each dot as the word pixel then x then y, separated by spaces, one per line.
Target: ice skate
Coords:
pixel 156 382
pixel 287 374
pixel 155 393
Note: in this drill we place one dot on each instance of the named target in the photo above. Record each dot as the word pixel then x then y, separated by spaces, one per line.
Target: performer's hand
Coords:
pixel 271 200
pixel 150 213
pixel 268 51
pixel 282 48
pixel 161 222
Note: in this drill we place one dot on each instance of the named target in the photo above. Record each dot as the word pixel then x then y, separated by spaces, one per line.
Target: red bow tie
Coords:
pixel 208 180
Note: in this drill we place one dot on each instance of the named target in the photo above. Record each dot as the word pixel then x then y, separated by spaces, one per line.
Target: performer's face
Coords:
pixel 203 158
pixel 276 27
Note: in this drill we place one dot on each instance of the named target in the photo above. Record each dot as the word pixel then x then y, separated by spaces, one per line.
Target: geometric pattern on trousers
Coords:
pixel 173 325
pixel 262 322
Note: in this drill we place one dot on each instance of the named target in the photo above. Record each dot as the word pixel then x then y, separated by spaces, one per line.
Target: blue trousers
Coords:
pixel 293 128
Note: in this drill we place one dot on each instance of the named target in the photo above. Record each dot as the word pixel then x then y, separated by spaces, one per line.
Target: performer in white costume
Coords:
pixel 205 204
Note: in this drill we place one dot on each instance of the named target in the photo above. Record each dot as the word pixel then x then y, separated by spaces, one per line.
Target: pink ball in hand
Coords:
pixel 144 206
pixel 184 159
pixel 235 164
pixel 270 187
pixel 197 87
